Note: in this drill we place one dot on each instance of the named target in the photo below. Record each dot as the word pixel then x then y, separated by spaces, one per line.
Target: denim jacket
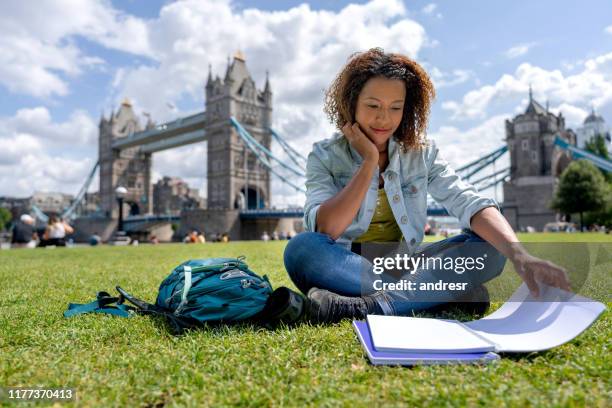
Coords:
pixel 409 177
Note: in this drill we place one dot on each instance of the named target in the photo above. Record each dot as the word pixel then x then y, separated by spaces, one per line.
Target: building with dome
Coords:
pixel 594 124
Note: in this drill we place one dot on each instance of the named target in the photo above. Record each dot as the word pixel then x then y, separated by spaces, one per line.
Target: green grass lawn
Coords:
pixel 115 362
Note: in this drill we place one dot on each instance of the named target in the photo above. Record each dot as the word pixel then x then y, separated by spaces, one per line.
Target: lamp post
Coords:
pixel 120 193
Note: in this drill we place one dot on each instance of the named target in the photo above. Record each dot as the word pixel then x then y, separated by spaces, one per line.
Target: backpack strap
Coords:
pixel 186 287
pixel 177 324
pixel 103 304
pixel 107 304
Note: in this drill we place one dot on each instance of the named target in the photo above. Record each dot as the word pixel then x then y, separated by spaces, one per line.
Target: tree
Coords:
pixel 5 218
pixel 581 188
pixel 602 216
pixel 597 145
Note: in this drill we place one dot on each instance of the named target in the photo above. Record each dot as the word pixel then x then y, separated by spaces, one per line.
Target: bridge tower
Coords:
pixel 129 168
pixel 535 165
pixel 236 179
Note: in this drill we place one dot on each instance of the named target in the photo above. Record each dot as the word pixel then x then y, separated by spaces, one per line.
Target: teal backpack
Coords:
pixel 199 291
pixel 216 289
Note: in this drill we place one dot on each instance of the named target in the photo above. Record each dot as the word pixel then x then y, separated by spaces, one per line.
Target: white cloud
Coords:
pixel 519 50
pixel 17 146
pixel 38 53
pixel 591 85
pixel 462 146
pixel 30 66
pixel 446 79
pixel 78 130
pixel 187 162
pixel 608 29
pixel 430 8
pixel 302 48
pixel 40 154
pixel 475 103
pixel 36 170
pixel 574 115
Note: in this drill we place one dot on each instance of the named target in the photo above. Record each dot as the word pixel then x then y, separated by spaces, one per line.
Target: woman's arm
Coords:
pixel 491 226
pixel 69 230
pixel 337 213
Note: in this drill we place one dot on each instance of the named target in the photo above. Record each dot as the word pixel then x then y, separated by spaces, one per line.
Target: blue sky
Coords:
pixel 61 70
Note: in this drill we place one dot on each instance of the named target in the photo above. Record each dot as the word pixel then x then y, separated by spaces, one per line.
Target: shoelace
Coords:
pixel 344 306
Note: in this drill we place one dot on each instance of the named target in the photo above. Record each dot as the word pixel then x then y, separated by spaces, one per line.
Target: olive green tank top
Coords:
pixel 383 227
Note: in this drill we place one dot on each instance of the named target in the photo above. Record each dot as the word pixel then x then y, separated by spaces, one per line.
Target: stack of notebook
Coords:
pixel 521 325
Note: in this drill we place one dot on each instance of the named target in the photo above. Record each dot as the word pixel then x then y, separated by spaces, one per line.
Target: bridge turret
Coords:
pixel 267 89
pixel 227 67
pixel 209 80
pixel 129 168
pixel 234 173
pixel 561 121
pixel 267 99
pixel 102 120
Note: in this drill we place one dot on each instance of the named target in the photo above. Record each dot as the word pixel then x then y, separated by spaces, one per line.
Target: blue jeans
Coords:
pixel 313 259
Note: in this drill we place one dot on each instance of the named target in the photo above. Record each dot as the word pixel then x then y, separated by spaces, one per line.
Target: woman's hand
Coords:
pixel 491 226
pixel 360 142
pixel 533 270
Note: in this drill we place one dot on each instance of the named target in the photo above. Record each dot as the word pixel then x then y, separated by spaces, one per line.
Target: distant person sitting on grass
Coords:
pixel 201 238
pixel 370 183
pixel 191 237
pixel 195 237
pixel 24 235
pixel 55 232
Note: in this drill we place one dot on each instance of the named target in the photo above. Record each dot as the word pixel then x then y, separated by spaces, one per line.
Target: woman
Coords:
pixel 370 184
pixel 55 232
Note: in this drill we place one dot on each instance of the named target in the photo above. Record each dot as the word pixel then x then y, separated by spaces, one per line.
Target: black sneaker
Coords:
pixel 328 307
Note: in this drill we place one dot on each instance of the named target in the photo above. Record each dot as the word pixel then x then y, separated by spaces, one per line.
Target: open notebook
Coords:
pixel 522 324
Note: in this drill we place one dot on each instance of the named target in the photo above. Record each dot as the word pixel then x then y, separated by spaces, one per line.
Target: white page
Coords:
pixel 524 324
pixel 414 334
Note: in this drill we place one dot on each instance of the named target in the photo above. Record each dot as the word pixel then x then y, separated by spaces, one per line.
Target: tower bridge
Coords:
pixel 236 178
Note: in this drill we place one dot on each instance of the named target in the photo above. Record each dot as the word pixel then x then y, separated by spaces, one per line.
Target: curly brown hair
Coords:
pixel 341 96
